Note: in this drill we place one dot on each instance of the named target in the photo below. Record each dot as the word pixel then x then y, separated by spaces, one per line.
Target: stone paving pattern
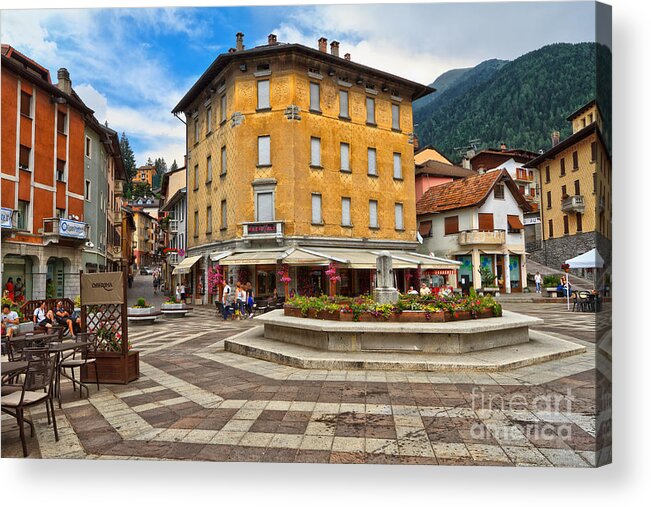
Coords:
pixel 194 401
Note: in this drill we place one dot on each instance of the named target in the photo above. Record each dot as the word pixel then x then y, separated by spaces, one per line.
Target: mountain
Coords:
pixel 517 102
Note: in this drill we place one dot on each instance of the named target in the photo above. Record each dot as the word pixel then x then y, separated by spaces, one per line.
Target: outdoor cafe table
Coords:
pixel 11 367
pixel 59 349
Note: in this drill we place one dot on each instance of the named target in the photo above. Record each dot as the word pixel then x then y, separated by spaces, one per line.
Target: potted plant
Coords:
pixel 173 304
pixel 141 308
pixel 77 302
pixel 488 279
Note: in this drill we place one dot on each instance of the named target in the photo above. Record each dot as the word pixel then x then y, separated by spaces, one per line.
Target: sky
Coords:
pixel 132 66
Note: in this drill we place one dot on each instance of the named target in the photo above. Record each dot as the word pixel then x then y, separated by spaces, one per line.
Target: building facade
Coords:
pixel 478 222
pixel 144 174
pixel 576 198
pixel 432 172
pixel 290 146
pixel 42 158
pixel 173 206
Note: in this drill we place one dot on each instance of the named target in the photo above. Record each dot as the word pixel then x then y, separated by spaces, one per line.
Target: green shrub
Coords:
pixel 551 280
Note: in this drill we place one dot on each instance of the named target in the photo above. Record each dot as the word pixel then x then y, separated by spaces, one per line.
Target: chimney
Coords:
pixel 503 146
pixel 347 56
pixel 556 138
pixel 64 84
pixel 416 142
pixel 323 45
pixel 481 169
pixel 239 41
pixel 272 39
pixel 334 48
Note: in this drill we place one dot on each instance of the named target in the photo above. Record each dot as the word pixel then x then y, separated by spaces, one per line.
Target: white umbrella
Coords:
pixel 587 260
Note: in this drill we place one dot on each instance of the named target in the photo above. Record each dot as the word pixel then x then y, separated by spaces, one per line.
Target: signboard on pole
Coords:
pixel 102 288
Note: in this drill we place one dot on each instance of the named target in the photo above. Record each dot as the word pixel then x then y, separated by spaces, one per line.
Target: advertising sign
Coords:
pixel 102 288
pixel 72 229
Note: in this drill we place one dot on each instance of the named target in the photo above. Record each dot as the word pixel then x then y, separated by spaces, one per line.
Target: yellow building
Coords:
pixel 575 198
pixel 290 146
pixel 144 174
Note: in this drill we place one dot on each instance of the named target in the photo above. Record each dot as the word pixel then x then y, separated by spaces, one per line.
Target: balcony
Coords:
pixel 117 216
pixel 573 204
pixel 523 176
pixel 263 230
pixel 57 229
pixel 475 237
pixel 118 190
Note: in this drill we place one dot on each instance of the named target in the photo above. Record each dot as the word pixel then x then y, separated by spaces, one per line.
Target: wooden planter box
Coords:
pixel 462 315
pixel 291 311
pixel 113 368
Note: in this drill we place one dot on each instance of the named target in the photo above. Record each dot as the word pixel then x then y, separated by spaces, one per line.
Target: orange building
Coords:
pixel 144 174
pixel 42 171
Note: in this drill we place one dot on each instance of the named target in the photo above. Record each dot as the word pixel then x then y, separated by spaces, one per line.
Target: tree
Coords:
pixel 174 166
pixel 129 161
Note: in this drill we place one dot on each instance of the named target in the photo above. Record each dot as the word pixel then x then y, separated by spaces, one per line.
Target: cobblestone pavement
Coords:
pixel 194 401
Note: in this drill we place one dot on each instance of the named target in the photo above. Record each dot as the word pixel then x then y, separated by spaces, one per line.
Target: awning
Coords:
pixel 184 267
pixel 425 228
pixel 427 261
pixel 217 256
pixel 492 252
pixel 514 222
pixel 587 260
pixel 300 256
pixel 252 258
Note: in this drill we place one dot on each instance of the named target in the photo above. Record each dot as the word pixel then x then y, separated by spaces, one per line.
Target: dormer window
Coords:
pixel 498 192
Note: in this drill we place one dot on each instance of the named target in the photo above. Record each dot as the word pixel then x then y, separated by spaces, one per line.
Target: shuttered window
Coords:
pixel 264 207
pixel 263 94
pixel 577 187
pixel 345 211
pixel 317 218
pixel 549 199
pixel 550 225
pixel 208 169
pixel 315 152
pixel 372 162
pixel 498 192
pixel 372 212
pixel 224 215
pixel 196 224
pixel 593 151
pixel 486 222
pixel 579 222
pixel 23 161
pixel 25 104
pixel 566 224
pixel 222 108
pixel 264 150
pixel 425 229
pixel 547 178
pixel 196 131
pixel 209 220
pixel 196 177
pixel 315 97
pixel 61 122
pixel 395 116
pixel 344 155
pixel 370 110
pixel 343 104
pixel 451 225
pixel 575 160
pixel 208 119
pixel 398 210
pixel 397 166
pixel 223 160
pixel 563 166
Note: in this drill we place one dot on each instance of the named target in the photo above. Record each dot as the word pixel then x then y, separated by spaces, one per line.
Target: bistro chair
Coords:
pixel 80 358
pixel 586 304
pixel 261 306
pixel 35 389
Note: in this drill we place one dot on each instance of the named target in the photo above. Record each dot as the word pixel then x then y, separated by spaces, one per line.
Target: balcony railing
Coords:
pixel 475 237
pixel 118 190
pixel 55 229
pixel 573 204
pixel 521 175
pixel 254 230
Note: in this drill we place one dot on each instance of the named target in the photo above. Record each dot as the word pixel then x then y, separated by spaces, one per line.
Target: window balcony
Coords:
pixel 117 216
pixel 118 190
pixel 57 229
pixel 475 237
pixel 573 204
pixel 523 176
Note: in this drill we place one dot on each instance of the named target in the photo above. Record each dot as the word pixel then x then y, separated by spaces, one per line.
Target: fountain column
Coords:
pixel 385 290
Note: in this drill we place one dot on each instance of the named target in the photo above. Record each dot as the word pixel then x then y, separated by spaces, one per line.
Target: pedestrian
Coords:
pixel 250 301
pixel 240 300
pixel 43 317
pixel 182 291
pixel 63 318
pixel 156 282
pixel 10 288
pixel 412 291
pixel 227 294
pixel 538 279
pixel 19 287
pixel 178 293
pixel 130 280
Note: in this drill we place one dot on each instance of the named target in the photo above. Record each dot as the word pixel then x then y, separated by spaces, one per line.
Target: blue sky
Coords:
pixel 133 65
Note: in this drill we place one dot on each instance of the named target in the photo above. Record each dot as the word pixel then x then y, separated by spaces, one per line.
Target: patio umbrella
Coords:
pixel 587 260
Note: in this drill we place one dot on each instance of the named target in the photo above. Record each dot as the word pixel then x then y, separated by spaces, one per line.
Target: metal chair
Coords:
pixel 81 358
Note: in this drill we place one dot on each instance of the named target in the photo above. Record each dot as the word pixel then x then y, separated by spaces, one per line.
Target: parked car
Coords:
pixel 143 271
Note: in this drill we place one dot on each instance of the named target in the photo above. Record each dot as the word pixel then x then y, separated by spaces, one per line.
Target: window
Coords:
pixel 196 130
pixel 61 122
pixel 343 104
pixel 593 151
pixel 577 187
pixel 222 108
pixel 566 224
pixel 263 94
pixel 209 220
pixel 23 161
pixel 550 227
pixel 425 229
pixel 372 214
pixel 563 166
pixel 315 152
pixel 345 212
pixel 196 177
pixel 315 97
pixel 397 166
pixel 25 104
pixel 398 212
pixel 575 160
pixel 208 120
pixel 87 190
pixel 23 215
pixel 498 192
pixel 61 170
pixel 264 207
pixel 547 178
pixel 563 191
pixel 579 222
pixel 224 215
pixel 60 213
pixel 590 118
pixel 317 218
pixel 372 162
pixel 451 225
pixel 264 151
pixel 223 161
pixel 196 224
pixel 395 116
pixel 486 222
pixel 344 156
pixel 101 201
pixel 370 110
pixel 208 169
pixel 594 182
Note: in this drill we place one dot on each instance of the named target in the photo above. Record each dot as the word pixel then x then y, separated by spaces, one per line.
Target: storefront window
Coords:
pixel 265 281
pixel 514 269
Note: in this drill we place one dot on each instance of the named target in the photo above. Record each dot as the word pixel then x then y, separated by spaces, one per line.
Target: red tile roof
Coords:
pixel 471 191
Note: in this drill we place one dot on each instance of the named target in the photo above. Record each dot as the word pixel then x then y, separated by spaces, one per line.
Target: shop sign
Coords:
pixel 72 229
pixel 531 220
pixel 6 216
pixel 269 228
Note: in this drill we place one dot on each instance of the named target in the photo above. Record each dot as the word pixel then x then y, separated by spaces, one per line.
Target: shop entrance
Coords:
pixel 19 269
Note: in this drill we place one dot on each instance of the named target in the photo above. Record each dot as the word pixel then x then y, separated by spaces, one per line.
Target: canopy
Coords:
pixel 590 259
pixel 252 257
pixel 514 222
pixel 184 267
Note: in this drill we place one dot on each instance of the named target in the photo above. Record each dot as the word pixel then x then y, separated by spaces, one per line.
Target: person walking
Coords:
pixel 178 292
pixel 538 280
pixel 240 298
pixel 250 301
pixel 182 291
pixel 156 282
pixel 226 299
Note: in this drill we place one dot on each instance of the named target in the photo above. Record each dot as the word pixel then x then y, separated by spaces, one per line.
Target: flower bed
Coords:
pixel 409 308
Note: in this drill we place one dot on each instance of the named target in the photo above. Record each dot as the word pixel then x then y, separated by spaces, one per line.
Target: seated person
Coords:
pixel 43 317
pixel 63 318
pixel 10 321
